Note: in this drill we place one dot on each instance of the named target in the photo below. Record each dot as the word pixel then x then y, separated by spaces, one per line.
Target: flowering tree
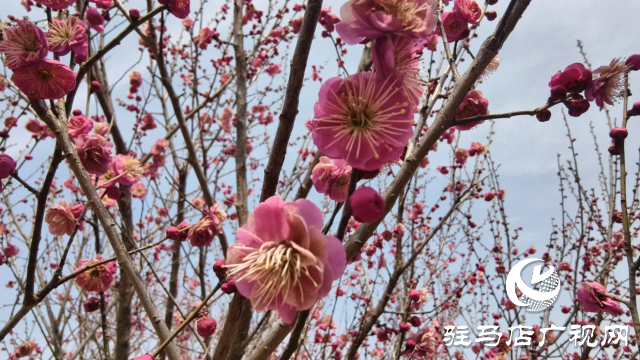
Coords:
pixel 176 218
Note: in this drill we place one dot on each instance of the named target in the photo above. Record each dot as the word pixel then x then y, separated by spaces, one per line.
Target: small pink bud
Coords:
pixel 491 15
pixel 77 112
pixel 411 344
pixel 206 326
pixel 404 327
pixel 229 287
pixel 414 295
pixel 173 233
pixel 95 86
pixel 613 150
pixel 618 134
pixel 91 304
pixel 366 205
pixel 7 166
pixel 134 13
pixel 220 270
pixel 415 321
pixel 489 196
pixel 633 62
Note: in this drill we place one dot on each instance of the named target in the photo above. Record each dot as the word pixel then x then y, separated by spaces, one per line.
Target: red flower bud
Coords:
pixel 206 326
pixel 173 233
pixel 229 287
pixel 134 13
pixel 618 134
pixel 220 270
pixel 366 205
pixel 91 304
pixel 544 115
pixel 491 15
pixel 633 62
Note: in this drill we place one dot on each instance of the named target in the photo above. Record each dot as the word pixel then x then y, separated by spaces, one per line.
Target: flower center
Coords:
pixel 407 12
pixel 277 270
pixel 94 154
pixel 44 75
pixel 360 117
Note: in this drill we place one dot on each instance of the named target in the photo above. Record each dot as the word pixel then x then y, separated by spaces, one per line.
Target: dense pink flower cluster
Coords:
pixel 26 49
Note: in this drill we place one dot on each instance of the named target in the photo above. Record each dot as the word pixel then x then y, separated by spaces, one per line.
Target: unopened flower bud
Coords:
pixel 618 134
pixel 134 13
pixel 220 270
pixel 206 326
pixel 492 2
pixel 613 150
pixel 558 93
pixel 635 109
pixel 415 321
pixel 366 205
pixel 229 287
pixel 491 15
pixel 544 115
pixel 173 233
pixel 95 86
pixel 414 295
pixel 633 62
pixel 404 327
pixel 91 304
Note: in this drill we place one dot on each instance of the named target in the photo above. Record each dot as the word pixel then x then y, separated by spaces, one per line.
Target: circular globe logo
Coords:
pixel 541 292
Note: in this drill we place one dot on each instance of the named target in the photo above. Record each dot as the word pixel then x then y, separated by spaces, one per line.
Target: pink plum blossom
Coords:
pixel 366 20
pixel 56 4
pixel 94 19
pixel 331 177
pixel 7 166
pixel 62 218
pixel 45 80
pixel 23 44
pixel 99 278
pixel 574 79
pixel 469 10
pixel 95 153
pixel 455 26
pixel 396 56
pixel 282 260
pixel 68 35
pixel 364 119
pixel 474 104
pixel 127 168
pixel 608 85
pixel 79 125
pixel 594 298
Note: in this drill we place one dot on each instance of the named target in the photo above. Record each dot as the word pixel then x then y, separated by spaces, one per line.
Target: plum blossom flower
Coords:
pixel 469 10
pixel 594 298
pixel 128 168
pixel 366 20
pixel 68 35
pixel 103 4
pixel 425 343
pixel 202 233
pixel 364 119
pixel 609 84
pixel 474 104
pixel 95 153
pixel 26 349
pixel 45 80
pixel 455 26
pixel 139 191
pixel 396 56
pixel 282 260
pixel 23 44
pixel 178 8
pixel 94 19
pixel 79 125
pixel 492 67
pixel 56 4
pixel 331 177
pixel 574 79
pixel 99 278
pixel 62 218
pixel 366 205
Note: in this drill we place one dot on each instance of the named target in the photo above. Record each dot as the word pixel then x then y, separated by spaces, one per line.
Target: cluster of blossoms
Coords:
pixel 26 47
pixel 365 121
